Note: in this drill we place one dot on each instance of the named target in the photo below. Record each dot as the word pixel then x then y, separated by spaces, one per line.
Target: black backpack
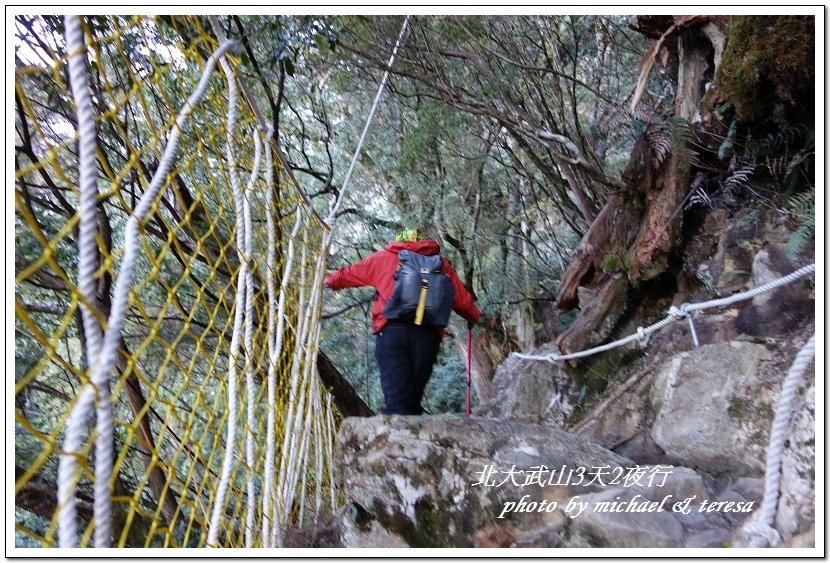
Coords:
pixel 423 293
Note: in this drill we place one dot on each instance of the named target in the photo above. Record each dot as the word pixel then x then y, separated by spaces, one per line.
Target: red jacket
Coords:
pixel 377 270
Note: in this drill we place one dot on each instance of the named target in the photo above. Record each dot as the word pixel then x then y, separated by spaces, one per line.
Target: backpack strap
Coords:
pixel 422 301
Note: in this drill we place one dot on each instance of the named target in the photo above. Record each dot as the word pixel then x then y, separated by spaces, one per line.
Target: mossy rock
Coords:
pixel 768 60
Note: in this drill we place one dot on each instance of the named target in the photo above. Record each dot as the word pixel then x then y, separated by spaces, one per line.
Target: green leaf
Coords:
pixel 721 109
pixel 727 144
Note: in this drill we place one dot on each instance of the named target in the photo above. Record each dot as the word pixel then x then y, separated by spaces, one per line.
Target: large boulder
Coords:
pixel 598 526
pixel 437 481
pixel 531 390
pixel 712 412
pixel 778 312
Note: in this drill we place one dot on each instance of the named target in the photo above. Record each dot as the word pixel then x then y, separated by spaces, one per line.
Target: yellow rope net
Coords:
pixel 170 385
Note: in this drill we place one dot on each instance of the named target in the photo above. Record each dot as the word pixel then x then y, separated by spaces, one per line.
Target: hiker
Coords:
pixel 408 327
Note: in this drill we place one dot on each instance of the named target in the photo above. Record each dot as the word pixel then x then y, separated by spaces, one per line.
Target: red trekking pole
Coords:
pixel 469 364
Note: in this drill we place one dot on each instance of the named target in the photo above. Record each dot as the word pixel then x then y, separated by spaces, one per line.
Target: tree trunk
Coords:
pixel 346 399
pixel 636 232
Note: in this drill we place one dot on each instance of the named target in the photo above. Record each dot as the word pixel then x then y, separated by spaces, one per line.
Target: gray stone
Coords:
pixel 625 529
pixel 713 537
pixel 696 521
pixel 735 519
pixel 620 421
pixel 371 535
pixel 729 268
pixel 543 537
pixel 417 476
pixel 779 312
pixel 531 391
pixel 796 505
pixel 680 482
pixel 709 414
pixel 750 488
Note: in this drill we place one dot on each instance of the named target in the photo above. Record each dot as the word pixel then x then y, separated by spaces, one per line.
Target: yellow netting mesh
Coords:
pixel 170 385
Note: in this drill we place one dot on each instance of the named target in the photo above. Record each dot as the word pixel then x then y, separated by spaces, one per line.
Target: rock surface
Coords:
pixel 423 481
pixel 532 391
pixel 708 412
pixel 628 529
pixel 782 311
pixel 416 476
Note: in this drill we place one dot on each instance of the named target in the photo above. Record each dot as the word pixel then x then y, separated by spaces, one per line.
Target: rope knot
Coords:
pixel 758 534
pixel 643 337
pixel 681 312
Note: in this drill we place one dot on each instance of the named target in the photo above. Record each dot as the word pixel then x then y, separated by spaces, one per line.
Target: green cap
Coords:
pixel 409 235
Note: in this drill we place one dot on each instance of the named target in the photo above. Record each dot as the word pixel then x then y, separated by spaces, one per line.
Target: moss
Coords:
pixel 431 526
pixel 593 376
pixel 657 267
pixel 577 415
pixel 738 408
pixel 767 57
pixel 766 411
pixel 612 262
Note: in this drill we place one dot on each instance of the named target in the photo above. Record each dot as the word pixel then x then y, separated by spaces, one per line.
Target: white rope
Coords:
pixel 88 219
pixel 108 343
pixel 775 284
pixel 330 450
pixel 250 386
pixel 270 440
pixel 264 125
pixel 319 441
pixel 276 532
pixel 675 313
pixel 222 489
pixel 760 531
pixel 297 430
pixel 87 254
pixel 286 451
pixel 333 213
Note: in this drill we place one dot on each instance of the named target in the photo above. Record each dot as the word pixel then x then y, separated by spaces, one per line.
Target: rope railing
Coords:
pixel 213 316
pixel 685 311
pixel 103 354
pixel 759 530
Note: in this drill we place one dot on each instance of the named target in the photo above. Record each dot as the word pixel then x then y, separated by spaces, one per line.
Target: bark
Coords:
pixel 41 498
pixel 346 399
pixel 147 446
pixel 601 309
pixel 579 193
pixel 635 233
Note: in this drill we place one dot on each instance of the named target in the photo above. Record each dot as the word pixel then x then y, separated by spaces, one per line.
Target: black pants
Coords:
pixel 405 354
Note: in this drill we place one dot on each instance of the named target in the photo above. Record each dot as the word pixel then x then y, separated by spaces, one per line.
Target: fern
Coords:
pixel 785 137
pixel 737 180
pixel 698 194
pixel 682 136
pixel 728 143
pixel 721 109
pixel 661 147
pixel 803 208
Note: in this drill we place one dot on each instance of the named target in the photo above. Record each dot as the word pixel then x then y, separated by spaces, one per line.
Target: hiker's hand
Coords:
pixel 470 325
